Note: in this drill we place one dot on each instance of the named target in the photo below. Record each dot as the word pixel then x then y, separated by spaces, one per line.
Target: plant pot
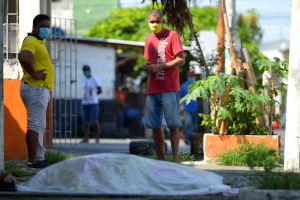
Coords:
pixel 215 144
pixel 196 140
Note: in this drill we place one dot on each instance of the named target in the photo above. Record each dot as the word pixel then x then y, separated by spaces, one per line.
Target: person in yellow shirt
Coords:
pixel 37 83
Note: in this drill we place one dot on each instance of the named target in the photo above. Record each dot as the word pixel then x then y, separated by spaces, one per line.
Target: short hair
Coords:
pixel 86 68
pixel 155 12
pixel 39 18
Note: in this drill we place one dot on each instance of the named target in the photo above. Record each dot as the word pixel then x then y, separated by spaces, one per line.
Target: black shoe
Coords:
pixel 36 166
pixel 44 163
pixel 187 142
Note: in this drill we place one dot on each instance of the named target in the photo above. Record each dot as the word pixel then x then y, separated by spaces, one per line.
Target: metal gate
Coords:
pixel 62 112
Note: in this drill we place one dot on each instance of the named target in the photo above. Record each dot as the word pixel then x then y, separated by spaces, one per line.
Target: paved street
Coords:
pixel 105 146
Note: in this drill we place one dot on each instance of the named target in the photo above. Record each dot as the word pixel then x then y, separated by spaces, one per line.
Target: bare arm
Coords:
pixel 25 59
pixel 177 62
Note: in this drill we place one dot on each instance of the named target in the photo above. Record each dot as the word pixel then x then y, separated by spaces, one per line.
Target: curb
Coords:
pixel 259 194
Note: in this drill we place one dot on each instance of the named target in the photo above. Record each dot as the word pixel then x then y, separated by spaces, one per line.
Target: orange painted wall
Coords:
pixel 214 144
pixel 15 122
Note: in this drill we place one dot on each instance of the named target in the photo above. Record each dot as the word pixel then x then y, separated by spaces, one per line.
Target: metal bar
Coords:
pixel 54 99
pixel 59 57
pixel 76 82
pixel 65 87
pixel 71 78
pixel 59 38
pixel 49 104
pixel 7 29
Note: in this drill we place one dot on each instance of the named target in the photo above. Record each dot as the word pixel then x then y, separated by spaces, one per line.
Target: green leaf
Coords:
pixel 217 83
pixel 232 79
pixel 224 113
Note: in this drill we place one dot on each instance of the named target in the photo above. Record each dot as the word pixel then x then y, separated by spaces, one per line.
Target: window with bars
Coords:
pixel 11 29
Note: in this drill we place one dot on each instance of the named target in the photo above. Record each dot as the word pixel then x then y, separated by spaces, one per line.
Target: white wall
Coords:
pixel 28 10
pixel 273 53
pixel 62 9
pixel 102 63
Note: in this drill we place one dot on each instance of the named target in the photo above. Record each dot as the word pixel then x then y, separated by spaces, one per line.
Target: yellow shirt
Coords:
pixel 40 61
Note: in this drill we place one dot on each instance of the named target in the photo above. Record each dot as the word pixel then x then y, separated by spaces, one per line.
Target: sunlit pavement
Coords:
pixel 105 146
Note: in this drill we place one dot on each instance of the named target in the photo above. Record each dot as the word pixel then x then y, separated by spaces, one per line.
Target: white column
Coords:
pixel 28 9
pixel 231 13
pixel 292 133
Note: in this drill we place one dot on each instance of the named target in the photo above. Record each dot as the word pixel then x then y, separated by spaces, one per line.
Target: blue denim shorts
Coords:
pixel 159 103
pixel 90 113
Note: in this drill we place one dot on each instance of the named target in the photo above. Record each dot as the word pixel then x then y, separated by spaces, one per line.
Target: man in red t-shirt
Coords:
pixel 164 52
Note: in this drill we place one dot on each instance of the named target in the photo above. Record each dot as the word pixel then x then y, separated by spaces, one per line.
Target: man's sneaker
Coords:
pixel 187 142
pixel 44 163
pixel 36 166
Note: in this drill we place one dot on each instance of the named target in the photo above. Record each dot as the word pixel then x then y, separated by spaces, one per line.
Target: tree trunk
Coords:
pixel 272 101
pixel 238 68
pixel 267 107
pixel 220 45
pixel 292 133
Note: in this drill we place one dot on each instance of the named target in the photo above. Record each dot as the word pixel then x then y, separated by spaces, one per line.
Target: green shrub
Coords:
pixel 279 180
pixel 55 156
pixel 250 154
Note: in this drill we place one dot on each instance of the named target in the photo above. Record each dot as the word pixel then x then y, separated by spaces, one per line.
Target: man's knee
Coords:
pixel 157 131
pixel 174 129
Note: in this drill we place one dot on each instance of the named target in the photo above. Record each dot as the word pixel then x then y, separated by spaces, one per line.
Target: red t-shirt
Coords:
pixel 163 49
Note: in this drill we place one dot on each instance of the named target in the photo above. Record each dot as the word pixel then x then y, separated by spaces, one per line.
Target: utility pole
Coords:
pixel 292 133
pixel 220 32
pixel 1 91
pixel 230 6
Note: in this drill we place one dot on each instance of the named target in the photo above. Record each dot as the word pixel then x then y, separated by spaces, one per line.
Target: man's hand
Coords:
pixel 40 75
pixel 152 68
pixel 146 65
pixel 99 90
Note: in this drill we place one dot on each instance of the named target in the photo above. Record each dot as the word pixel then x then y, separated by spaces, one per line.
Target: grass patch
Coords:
pixel 17 169
pixel 54 156
pixel 252 155
pixel 20 172
pixel 279 180
pixel 183 156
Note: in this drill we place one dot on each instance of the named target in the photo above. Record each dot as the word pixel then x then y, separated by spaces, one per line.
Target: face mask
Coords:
pixel 86 74
pixel 44 33
pixel 191 79
pixel 156 28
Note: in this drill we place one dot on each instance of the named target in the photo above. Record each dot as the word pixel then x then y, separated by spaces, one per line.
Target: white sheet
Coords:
pixel 125 174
